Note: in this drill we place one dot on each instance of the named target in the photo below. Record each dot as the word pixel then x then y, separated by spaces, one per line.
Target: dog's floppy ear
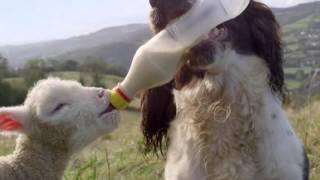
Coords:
pixel 266 34
pixel 158 110
pixel 13 119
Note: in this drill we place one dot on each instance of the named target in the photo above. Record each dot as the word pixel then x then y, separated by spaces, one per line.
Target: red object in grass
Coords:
pixel 7 123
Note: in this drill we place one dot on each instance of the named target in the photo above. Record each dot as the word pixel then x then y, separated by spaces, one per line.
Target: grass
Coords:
pixel 290 38
pixel 293 70
pixel 108 80
pixel 17 82
pixel 307 124
pixel 293 47
pixel 300 25
pixel 126 160
pixel 119 156
pixel 293 84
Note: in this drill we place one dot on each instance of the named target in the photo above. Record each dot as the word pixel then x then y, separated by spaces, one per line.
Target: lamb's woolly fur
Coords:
pixel 224 120
pixel 59 118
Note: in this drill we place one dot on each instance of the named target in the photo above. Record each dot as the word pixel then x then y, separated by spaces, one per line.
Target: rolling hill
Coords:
pixel 116 45
pixel 302 37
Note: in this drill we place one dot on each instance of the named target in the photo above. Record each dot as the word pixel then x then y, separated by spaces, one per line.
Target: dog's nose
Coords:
pixel 153 3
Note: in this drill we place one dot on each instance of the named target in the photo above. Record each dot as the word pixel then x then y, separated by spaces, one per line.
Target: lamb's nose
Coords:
pixel 101 93
pixel 153 3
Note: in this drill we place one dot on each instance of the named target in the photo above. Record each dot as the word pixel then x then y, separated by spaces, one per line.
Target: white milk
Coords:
pixel 156 62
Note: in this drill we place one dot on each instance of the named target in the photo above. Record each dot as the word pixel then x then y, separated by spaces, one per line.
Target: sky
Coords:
pixel 28 21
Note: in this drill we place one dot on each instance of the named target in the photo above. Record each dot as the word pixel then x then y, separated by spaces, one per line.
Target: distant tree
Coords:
pixel 97 79
pixel 81 78
pixel 116 70
pixel 4 69
pixel 34 70
pixel 18 96
pixel 10 96
pixel 55 65
pixel 95 68
pixel 5 93
pixel 300 75
pixel 70 65
pixel 91 64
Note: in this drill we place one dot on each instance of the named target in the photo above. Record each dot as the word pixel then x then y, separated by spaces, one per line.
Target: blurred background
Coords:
pixel 94 42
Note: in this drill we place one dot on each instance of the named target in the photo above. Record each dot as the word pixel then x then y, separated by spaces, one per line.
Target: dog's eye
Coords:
pixel 58 108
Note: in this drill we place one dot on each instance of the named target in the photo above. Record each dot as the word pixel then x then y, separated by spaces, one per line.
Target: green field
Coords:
pixel 305 70
pixel 293 84
pixel 109 80
pixel 16 82
pixel 117 156
pixel 302 24
pixel 120 156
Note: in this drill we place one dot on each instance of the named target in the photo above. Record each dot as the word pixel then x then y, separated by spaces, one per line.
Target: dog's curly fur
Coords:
pixel 217 120
pixel 256 31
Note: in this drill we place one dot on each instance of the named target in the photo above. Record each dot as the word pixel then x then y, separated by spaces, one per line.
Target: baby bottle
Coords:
pixel 156 62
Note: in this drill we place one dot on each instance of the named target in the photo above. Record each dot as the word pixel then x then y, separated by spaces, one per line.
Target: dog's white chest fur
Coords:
pixel 280 152
pixel 242 135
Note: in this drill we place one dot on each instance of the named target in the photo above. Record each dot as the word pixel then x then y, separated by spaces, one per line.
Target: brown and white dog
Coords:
pixel 222 116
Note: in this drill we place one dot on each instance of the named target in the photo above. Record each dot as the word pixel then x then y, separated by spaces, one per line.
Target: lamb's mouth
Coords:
pixel 109 109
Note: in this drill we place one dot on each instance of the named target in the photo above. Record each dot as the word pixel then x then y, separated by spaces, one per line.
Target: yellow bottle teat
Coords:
pixel 118 99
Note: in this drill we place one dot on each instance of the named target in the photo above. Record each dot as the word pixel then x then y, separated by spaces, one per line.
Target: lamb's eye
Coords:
pixel 58 107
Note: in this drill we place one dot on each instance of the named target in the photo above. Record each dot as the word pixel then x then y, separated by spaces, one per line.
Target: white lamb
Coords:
pixel 58 119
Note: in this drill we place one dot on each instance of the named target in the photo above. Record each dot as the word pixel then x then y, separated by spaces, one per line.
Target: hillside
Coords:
pixel 102 44
pixel 291 15
pixel 116 45
pixel 302 38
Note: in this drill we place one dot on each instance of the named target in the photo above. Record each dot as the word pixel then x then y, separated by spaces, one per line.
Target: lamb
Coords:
pixel 58 119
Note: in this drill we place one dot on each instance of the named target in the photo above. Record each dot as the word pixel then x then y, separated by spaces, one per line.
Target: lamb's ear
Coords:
pixel 13 119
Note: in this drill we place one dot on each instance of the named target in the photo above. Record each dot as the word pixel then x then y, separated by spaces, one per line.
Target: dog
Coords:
pixel 222 115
